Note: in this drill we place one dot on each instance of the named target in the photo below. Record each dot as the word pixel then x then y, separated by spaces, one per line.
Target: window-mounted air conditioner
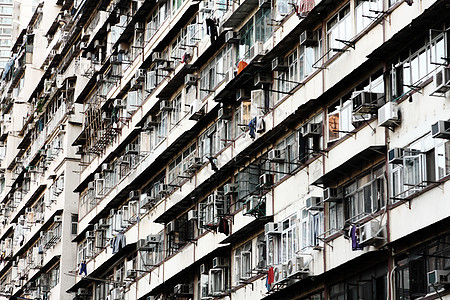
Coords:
pixel 139 26
pixel 266 180
pixel 224 113
pixel 441 129
pixel 257 50
pixel 438 277
pixel 115 59
pixel 131 274
pixel 230 188
pixel 395 156
pixel 231 37
pixel 165 105
pixel 308 38
pixel 190 79
pixel 332 194
pixel 82 291
pixel 206 6
pixel 195 163
pixel 133 195
pixel 103 223
pixel 99 44
pixel 90 234
pixel 366 102
pixel 153 239
pixel 276 155
pixel 251 204
pixel 370 232
pixel 279 64
pixel 57 219
pixel 158 57
pixel 147 202
pixel 272 228
pixel 442 80
pixel 242 94
pixel 164 189
pixel 139 75
pixel 181 289
pixel 192 215
pixel 312 129
pixel 170 227
pixel 388 114
pixel 219 262
pixel 118 103
pixel 314 203
pixel 261 79
pixel 106 167
pixel 203 269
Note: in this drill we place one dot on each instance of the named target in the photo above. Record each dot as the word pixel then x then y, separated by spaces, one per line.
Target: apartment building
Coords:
pixel 227 150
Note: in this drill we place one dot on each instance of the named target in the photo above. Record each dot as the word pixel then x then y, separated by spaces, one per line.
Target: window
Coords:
pixel 74 224
pixel 422 163
pixel 339 27
pixel 243 263
pixel 311 229
pixel 310 54
pixel 339 120
pixel 287 80
pixel 365 195
pixel 54 276
pixel 289 150
pixel 366 11
pixel 289 239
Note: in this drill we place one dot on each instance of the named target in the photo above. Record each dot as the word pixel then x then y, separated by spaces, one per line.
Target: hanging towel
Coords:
pixel 241 66
pixel 354 237
pixel 260 125
pixel 270 279
pixel 83 269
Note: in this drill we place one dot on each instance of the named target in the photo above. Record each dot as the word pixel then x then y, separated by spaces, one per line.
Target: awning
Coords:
pixel 366 157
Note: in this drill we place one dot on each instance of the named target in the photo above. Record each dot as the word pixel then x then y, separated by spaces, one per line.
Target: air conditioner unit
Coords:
pixel 181 289
pixel 279 64
pixel 153 238
pixel 441 130
pixel 388 114
pixel 261 79
pixel 170 227
pixel 132 274
pixel 219 262
pixel 230 188
pixel 164 189
pixel 190 79
pixel 90 234
pixel 266 180
pixel 106 167
pixel 257 50
pixel 224 113
pixel 139 75
pixel 195 163
pixel 57 219
pixel 118 103
pixel 272 228
pixel 103 223
pixel 276 155
pixel 438 277
pixel 308 38
pixel 279 273
pixel 133 195
pixel 115 59
pixel 314 203
pixel 366 102
pixel 192 215
pixel 158 57
pixel 98 44
pixel 251 204
pixel 203 269
pixel 165 105
pixel 369 232
pixel 139 26
pixel 442 80
pixel 395 156
pixel 296 267
pixel 147 202
pixel 231 37
pixel 206 7
pixel 332 194
pixel 82 291
pixel 312 129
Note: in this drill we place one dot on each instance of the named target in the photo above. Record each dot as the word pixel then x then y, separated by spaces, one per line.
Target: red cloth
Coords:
pixel 270 276
pixel 241 65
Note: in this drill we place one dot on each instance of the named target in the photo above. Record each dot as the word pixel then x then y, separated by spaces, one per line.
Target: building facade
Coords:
pixel 227 150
